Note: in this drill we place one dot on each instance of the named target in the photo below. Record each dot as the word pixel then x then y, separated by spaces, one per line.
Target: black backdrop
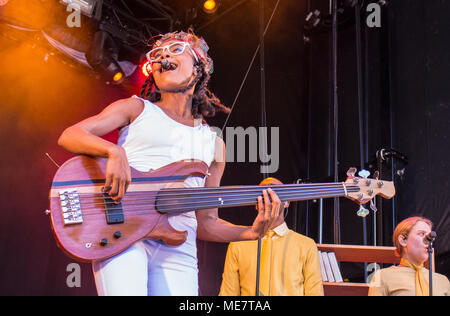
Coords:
pixel 406 106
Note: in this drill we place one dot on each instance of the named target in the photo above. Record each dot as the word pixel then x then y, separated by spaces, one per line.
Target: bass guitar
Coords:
pixel 90 226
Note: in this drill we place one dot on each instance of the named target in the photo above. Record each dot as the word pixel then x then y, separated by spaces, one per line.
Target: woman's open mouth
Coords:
pixel 168 67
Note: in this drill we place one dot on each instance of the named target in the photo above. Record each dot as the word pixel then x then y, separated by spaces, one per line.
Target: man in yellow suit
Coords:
pixel 289 264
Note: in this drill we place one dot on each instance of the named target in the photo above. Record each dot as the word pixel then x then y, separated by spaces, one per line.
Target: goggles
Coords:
pixel 173 49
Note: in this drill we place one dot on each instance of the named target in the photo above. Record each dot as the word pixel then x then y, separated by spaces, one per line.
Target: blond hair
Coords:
pixel 403 229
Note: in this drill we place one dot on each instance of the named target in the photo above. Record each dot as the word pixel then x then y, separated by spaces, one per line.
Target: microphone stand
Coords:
pixel 381 156
pixel 258 267
pixel 430 260
pixel 263 121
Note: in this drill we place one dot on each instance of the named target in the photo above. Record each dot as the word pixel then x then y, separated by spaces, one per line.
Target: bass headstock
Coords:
pixel 367 188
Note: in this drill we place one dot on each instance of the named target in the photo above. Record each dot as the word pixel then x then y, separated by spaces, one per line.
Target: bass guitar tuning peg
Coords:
pixel 376 175
pixel 362 212
pixel 351 172
pixel 364 173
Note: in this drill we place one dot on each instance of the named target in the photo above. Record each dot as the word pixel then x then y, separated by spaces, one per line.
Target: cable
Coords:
pixel 249 67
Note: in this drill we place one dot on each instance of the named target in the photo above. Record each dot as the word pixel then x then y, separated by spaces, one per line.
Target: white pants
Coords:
pixel 152 268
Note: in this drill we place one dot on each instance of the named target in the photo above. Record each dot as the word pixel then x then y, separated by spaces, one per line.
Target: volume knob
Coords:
pixel 103 242
pixel 117 235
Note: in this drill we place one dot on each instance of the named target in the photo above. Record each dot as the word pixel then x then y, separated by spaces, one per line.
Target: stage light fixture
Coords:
pixel 111 69
pixel 102 56
pixel 312 20
pixel 87 7
pixel 210 6
pixel 3 2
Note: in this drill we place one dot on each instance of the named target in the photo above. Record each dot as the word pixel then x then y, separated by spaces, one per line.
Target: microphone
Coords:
pixel 430 237
pixel 165 64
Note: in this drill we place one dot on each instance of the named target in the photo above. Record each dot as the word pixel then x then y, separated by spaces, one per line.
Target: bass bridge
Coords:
pixel 70 207
pixel 72 210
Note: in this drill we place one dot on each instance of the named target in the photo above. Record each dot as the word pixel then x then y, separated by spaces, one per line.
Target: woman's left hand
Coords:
pixel 269 210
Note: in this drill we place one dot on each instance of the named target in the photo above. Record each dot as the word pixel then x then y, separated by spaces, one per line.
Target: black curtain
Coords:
pixel 420 54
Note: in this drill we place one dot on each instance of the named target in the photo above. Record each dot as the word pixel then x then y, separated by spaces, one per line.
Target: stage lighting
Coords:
pixel 147 69
pixel 118 77
pixel 3 2
pixel 312 20
pixel 102 56
pixel 110 69
pixel 210 6
pixel 87 7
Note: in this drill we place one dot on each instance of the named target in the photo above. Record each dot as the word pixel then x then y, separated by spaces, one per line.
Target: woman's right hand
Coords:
pixel 85 138
pixel 118 173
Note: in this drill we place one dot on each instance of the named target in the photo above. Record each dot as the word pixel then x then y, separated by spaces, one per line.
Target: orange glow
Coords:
pixel 32 14
pixel 210 6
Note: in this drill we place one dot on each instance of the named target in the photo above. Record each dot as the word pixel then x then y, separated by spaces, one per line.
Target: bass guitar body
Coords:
pixel 89 226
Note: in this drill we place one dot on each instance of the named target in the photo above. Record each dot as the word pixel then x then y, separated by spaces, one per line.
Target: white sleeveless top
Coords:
pixel 154 140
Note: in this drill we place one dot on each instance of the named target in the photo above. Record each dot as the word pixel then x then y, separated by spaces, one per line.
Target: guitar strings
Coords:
pixel 171 193
pixel 203 190
pixel 144 208
pixel 193 198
